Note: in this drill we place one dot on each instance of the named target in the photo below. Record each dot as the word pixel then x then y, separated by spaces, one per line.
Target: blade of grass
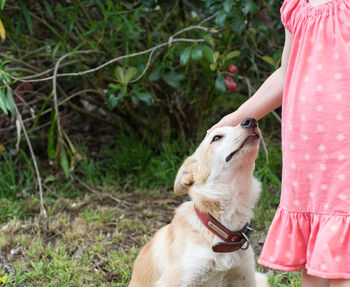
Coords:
pixel 27 16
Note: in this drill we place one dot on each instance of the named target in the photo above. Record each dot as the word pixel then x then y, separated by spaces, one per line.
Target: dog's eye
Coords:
pixel 216 138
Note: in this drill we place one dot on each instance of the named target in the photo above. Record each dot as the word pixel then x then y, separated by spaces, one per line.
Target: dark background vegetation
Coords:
pixel 111 127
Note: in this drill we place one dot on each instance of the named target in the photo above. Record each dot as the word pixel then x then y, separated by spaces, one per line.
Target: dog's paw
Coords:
pixel 261 280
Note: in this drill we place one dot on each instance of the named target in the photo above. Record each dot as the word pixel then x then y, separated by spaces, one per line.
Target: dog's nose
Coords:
pixel 249 123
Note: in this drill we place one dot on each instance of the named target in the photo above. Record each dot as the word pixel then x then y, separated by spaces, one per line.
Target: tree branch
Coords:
pixel 150 50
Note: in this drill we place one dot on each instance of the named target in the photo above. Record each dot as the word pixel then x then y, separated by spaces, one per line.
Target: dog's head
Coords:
pixel 223 154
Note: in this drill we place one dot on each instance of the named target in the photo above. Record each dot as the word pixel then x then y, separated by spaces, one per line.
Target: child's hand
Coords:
pixel 228 120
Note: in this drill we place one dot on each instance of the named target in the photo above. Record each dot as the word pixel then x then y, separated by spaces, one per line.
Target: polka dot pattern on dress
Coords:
pixel 319 88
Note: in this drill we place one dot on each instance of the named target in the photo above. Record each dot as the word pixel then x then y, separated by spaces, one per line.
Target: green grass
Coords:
pixel 12 182
pixel 65 251
pixel 95 245
pixel 131 160
pixel 10 209
pixel 286 279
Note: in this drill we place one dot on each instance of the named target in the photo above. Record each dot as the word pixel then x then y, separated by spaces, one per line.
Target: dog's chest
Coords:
pixel 226 261
pixel 204 268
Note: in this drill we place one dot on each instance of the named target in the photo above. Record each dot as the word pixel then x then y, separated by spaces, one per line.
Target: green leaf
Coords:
pixel 38 115
pixel 130 74
pixel 3 75
pixel 210 40
pixel 3 102
pixel 92 45
pixel 114 86
pixel 269 60
pixel 228 5
pixel 173 79
pixel 239 21
pixel 64 163
pixel 208 53
pixel 156 74
pixel 55 50
pixel 197 52
pixel 54 31
pixel 26 15
pixel 185 56
pixel 119 74
pixel 51 151
pixel 220 18
pixel 10 103
pixel 48 9
pixel 249 7
pixel 50 178
pixel 2 4
pixel 142 97
pixel 102 8
pixel 277 56
pixel 212 67
pixel 70 144
pixel 2 64
pixel 220 83
pixel 125 76
pixel 232 54
pixel 25 158
pixel 216 56
pixel 113 100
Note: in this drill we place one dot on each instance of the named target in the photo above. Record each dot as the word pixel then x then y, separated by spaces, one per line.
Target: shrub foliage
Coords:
pixel 168 93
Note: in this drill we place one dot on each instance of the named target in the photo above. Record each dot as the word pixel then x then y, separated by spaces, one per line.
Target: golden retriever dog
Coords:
pixel 207 242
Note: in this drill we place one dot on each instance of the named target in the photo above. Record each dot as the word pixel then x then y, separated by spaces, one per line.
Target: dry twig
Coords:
pixel 93 190
pixel 150 50
pixel 42 207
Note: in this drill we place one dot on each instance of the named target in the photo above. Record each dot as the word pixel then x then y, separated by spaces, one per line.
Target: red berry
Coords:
pixel 22 89
pixel 230 83
pixel 133 105
pixel 233 69
pixel 28 87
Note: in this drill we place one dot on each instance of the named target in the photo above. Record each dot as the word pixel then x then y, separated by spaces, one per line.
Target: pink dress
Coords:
pixel 311 228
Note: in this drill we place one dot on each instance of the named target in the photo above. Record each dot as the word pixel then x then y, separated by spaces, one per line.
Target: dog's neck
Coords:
pixel 231 203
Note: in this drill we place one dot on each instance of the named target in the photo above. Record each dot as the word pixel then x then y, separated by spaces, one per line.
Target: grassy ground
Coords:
pixel 96 225
pixel 93 240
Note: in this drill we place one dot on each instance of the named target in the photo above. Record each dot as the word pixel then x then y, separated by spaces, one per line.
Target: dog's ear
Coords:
pixel 192 171
pixel 184 178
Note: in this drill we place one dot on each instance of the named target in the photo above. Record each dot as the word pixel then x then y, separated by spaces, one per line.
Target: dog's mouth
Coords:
pixel 249 139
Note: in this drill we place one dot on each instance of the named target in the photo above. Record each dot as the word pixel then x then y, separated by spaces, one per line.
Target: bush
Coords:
pixel 172 93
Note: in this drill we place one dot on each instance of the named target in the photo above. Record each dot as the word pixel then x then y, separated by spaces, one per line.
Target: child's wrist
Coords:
pixel 236 117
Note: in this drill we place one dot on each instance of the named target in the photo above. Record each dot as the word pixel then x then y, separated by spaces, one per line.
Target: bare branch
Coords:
pixel 150 50
pixel 42 207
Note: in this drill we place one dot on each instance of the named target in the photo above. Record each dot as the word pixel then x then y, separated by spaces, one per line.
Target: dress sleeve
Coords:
pixel 286 14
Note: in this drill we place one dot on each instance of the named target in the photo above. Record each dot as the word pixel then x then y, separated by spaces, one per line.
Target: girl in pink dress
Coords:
pixel 311 228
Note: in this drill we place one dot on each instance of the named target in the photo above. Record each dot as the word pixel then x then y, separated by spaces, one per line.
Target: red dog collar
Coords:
pixel 233 240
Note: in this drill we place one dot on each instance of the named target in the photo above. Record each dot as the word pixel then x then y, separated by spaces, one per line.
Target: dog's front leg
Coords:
pixel 170 278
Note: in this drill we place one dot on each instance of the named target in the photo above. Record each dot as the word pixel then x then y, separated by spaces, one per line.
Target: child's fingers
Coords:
pixel 218 125
pixel 225 121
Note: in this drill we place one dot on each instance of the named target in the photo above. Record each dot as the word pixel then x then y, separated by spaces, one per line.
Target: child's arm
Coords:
pixel 267 98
